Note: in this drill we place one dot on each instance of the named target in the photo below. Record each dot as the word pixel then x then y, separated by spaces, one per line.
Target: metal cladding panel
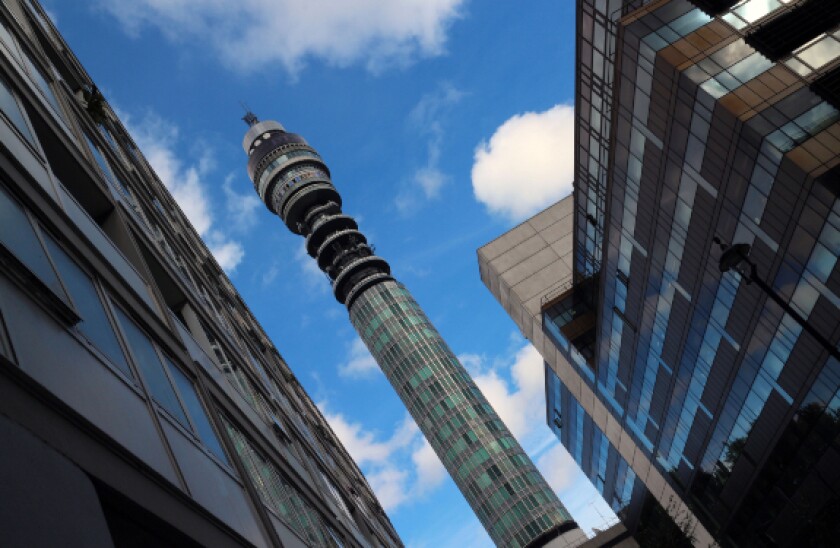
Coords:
pixel 661 391
pixel 718 376
pixel 767 426
pixel 680 313
pixel 501 484
pixel 696 437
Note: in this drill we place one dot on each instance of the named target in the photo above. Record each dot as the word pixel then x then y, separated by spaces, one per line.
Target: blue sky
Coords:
pixel 444 123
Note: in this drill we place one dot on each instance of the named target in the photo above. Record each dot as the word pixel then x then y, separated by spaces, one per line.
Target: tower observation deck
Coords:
pixel 505 490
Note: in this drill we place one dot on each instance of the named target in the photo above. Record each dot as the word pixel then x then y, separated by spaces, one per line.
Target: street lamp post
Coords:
pixel 736 257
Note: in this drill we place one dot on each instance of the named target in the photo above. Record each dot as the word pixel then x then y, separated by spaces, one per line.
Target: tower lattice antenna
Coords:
pixel 250 118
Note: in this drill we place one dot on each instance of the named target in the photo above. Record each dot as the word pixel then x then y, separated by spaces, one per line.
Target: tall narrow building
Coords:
pixel 510 497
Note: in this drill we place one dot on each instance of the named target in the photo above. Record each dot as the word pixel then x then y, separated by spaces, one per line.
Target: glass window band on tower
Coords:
pixel 508 494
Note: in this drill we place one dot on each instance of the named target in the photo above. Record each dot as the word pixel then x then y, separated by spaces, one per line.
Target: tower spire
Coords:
pixel 250 118
pixel 505 490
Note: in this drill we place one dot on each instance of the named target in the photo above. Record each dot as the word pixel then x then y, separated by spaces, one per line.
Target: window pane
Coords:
pixel 103 164
pixel 41 80
pixel 17 234
pixel 151 368
pixel 756 9
pixel 94 325
pixel 821 52
pixel 7 38
pixel 196 411
pixel 10 108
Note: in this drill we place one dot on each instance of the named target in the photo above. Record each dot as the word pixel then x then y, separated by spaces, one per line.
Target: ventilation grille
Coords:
pixel 795 27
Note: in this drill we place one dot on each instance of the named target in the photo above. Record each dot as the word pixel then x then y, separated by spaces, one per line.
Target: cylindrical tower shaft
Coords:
pixel 510 497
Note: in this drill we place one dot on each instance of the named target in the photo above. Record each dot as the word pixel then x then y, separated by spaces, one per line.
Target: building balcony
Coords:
pixel 569 316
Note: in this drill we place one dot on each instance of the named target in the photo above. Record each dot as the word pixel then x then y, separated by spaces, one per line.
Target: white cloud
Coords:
pixel 228 253
pixel 251 34
pixel 312 275
pixel 158 139
pixel 400 469
pixel 242 209
pixel 527 164
pixel 359 361
pixel 521 406
pixel 425 119
pixel 430 470
pixel 558 468
pixel 268 277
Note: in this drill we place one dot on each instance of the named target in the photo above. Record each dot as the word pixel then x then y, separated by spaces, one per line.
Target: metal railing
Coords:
pixel 565 284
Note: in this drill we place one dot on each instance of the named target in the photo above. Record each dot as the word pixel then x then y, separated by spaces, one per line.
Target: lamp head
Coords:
pixel 733 256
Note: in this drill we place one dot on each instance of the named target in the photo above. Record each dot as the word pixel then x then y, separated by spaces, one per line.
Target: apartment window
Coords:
pixel 149 363
pixel 196 411
pixel 100 160
pixel 13 111
pixel 94 325
pixel 18 235
pixel 42 83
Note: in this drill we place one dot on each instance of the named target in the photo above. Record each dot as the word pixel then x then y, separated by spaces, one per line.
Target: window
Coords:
pixel 676 29
pixel 196 411
pixel 13 111
pixel 18 236
pixel 737 75
pixel 151 368
pixel 804 127
pixel 42 83
pixel 94 325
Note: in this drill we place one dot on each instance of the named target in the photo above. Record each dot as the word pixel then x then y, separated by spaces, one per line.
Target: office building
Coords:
pixel 141 404
pixel 672 375
pixel 505 490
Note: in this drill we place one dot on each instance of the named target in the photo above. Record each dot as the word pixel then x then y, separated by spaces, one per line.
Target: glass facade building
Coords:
pixel 699 121
pixel 142 404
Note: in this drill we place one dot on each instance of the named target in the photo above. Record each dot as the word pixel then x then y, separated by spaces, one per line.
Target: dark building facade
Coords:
pixel 505 490
pixel 141 404
pixel 697 123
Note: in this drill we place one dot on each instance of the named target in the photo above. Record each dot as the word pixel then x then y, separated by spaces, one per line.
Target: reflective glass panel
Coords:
pixel 821 52
pixel 11 109
pixel 18 235
pixel 756 9
pixel 197 412
pixel 95 324
pixel 42 82
pixel 152 369
pixel 103 164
